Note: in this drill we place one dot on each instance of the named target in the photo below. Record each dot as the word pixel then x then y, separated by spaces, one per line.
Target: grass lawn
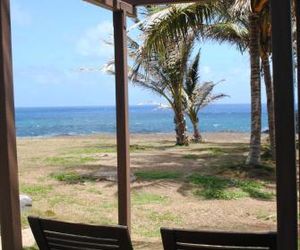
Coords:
pixel 203 186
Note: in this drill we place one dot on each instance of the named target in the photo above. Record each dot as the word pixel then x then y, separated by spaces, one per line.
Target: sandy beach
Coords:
pixel 72 178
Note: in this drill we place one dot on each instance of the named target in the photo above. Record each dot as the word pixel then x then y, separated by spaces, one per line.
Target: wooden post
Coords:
pixel 297 12
pixel 9 188
pixel 284 124
pixel 121 69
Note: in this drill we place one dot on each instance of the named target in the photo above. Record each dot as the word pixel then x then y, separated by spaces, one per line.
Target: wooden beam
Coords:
pixel 297 12
pixel 9 188
pixel 158 2
pixel 121 68
pixel 284 125
pixel 115 5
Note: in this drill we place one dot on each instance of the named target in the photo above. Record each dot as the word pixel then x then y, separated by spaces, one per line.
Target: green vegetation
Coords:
pixel 71 177
pixel 35 189
pixel 138 148
pixel 213 187
pixel 111 148
pixel 60 199
pixel 143 198
pixel 264 171
pixel 69 160
pixel 95 149
pixel 192 156
pixel 216 151
pixel 94 190
pixel 31 248
pixel 158 219
pixel 157 175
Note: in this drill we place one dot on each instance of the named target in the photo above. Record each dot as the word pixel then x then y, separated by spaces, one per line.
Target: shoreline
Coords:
pixel 207 136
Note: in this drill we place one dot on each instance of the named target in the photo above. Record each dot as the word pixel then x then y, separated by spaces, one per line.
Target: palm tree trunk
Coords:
pixel 180 128
pixel 270 102
pixel 255 140
pixel 197 136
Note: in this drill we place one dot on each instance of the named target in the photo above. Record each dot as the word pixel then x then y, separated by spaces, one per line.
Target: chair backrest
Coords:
pixel 175 239
pixel 57 235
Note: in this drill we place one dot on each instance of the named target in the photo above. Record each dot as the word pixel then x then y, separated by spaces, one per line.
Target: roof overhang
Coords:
pixel 115 5
pixel 129 6
pixel 158 2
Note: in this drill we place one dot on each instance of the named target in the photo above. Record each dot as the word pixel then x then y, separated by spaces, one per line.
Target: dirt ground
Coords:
pixel 57 173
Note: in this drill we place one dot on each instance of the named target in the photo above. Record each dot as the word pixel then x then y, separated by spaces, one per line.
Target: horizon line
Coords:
pixel 113 105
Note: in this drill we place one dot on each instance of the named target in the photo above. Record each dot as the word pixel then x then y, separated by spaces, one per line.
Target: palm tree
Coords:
pixel 265 52
pixel 176 20
pixel 198 95
pixel 254 10
pixel 164 74
pixel 237 33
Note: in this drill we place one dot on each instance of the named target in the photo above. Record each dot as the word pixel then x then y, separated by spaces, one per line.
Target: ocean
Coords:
pixel 63 121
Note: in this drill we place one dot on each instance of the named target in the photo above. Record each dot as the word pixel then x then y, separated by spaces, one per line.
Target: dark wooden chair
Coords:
pixel 57 235
pixel 175 239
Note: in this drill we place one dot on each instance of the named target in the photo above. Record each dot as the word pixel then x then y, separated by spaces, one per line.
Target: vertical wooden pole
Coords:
pixel 9 188
pixel 297 12
pixel 284 124
pixel 120 38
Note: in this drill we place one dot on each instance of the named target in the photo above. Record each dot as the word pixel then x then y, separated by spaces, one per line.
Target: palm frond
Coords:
pixel 192 77
pixel 229 32
pixel 176 21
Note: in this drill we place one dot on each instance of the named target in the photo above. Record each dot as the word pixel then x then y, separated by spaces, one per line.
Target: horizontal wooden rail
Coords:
pixel 115 5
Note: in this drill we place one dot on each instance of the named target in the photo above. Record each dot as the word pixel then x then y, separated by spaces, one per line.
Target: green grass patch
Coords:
pixel 109 149
pixel 94 190
pixel 213 187
pixel 31 248
pixel 96 149
pixel 69 160
pixel 191 156
pixel 157 175
pixel 70 177
pixel 138 147
pixel 262 172
pixel 158 219
pixel 143 198
pixel 161 217
pixel 216 151
pixel 109 205
pixel 60 199
pixel 35 189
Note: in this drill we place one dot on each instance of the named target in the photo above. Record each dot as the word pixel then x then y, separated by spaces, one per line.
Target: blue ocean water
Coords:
pixel 143 119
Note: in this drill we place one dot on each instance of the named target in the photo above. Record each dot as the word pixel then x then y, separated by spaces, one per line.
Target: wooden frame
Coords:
pixel 120 38
pixel 115 5
pixel 284 114
pixel 9 188
pixel 283 78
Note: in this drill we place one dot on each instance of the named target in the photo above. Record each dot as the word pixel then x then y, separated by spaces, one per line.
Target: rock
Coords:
pixel 25 201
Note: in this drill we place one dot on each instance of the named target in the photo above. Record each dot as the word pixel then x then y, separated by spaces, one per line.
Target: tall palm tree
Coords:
pixel 237 33
pixel 265 52
pixel 254 10
pixel 198 95
pixel 176 21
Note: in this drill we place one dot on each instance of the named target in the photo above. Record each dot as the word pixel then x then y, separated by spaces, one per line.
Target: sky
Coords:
pixel 53 40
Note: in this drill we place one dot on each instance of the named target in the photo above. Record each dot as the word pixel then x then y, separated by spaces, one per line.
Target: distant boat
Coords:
pixel 163 106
